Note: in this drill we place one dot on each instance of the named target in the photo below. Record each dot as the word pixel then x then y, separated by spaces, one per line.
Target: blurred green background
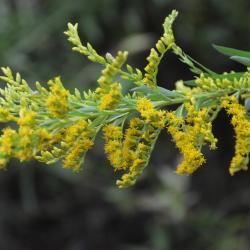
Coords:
pixel 45 207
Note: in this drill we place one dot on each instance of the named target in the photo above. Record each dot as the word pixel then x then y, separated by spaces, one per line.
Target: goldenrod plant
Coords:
pixel 51 124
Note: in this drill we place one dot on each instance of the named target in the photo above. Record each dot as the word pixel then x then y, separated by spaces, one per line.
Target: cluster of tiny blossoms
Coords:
pixel 50 124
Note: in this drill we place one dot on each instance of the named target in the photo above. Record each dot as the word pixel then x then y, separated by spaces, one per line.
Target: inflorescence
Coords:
pixel 51 124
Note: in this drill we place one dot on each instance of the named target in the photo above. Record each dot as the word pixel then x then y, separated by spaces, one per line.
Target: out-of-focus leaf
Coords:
pixel 243 60
pixel 231 52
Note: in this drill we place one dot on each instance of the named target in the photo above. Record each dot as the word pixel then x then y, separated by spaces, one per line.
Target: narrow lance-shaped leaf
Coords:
pixel 231 52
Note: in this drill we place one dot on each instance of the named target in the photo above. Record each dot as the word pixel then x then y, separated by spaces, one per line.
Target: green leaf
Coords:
pixel 100 120
pixel 158 93
pixel 247 104
pixel 143 89
pixel 118 119
pixel 231 52
pixel 247 107
pixel 190 83
pixel 205 103
pixel 181 111
pixel 158 97
pixel 243 60
pixel 168 93
pixel 88 109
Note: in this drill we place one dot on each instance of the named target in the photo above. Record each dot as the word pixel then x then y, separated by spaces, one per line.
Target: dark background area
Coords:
pixel 47 207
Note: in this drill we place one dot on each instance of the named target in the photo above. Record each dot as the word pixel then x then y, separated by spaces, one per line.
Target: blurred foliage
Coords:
pixel 46 208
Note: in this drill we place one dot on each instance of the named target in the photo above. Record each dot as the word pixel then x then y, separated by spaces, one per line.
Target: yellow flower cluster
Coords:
pixel 24 143
pixel 162 46
pixel 119 148
pixel 189 134
pixel 70 144
pixel 5 115
pixel 7 140
pixel 111 97
pixel 130 151
pixel 26 134
pixel 78 140
pixel 57 101
pixel 47 128
pixel 242 133
pixel 50 152
pixel 110 92
pixel 131 138
pixel 136 168
pixel 113 147
pixel 26 117
pixel 157 118
pixel 139 150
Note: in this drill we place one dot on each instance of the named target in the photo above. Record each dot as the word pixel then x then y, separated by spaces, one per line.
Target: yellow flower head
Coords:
pixel 131 138
pixel 242 133
pixel 5 115
pixel 189 134
pixel 112 132
pixel 7 140
pixel 111 98
pixel 129 178
pixel 137 148
pixel 75 156
pixel 152 116
pixel 113 145
pixel 57 101
pixel 73 131
pixel 110 92
pixel 26 117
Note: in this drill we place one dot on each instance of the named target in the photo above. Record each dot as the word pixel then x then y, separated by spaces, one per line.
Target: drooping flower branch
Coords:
pixel 51 124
